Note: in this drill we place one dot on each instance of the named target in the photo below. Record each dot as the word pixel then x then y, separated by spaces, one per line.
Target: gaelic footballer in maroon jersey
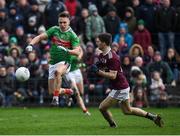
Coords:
pixel 111 61
pixel 109 66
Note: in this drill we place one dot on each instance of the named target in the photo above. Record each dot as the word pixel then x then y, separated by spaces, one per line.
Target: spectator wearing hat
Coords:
pixel 142 36
pixel 162 67
pixel 95 24
pixel 130 19
pixel 111 21
pixel 124 39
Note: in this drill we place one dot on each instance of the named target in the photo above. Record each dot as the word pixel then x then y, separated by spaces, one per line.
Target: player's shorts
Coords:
pixel 75 76
pixel 52 69
pixel 120 95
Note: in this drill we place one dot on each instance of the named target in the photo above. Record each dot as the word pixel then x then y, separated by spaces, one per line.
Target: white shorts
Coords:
pixel 120 95
pixel 52 69
pixel 75 76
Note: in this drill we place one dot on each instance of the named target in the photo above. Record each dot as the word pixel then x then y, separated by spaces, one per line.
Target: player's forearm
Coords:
pixel 74 52
pixel 110 75
pixel 38 38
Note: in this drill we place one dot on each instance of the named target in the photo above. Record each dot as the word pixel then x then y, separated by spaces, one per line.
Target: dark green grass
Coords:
pixel 35 121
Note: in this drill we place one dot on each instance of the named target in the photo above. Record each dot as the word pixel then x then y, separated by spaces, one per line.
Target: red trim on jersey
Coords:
pixel 57 41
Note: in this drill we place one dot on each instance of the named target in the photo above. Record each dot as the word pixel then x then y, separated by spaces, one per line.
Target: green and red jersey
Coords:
pixel 67 39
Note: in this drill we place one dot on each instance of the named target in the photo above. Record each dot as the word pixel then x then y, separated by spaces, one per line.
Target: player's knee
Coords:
pixel 127 112
pixel 102 108
pixel 58 73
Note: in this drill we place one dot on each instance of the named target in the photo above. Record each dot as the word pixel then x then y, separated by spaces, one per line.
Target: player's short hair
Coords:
pixel 105 37
pixel 64 14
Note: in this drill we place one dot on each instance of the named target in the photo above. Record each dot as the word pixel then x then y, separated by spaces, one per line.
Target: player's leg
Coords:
pixel 104 106
pixel 128 110
pixel 78 97
pixel 80 88
pixel 55 72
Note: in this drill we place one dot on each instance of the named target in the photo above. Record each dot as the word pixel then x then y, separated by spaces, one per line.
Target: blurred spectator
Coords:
pixel 14 52
pixel 5 22
pixel 158 94
pixel 130 19
pixel 23 7
pixel 170 58
pixel 2 3
pixel 52 9
pixel 79 26
pixel 23 61
pixel 43 93
pixel 124 39
pixel 147 13
pixel 111 21
pixel 126 66
pixel 162 67
pixel 34 18
pixel 16 17
pixel 148 58
pixel 138 84
pixel 136 6
pixel 4 42
pixel 73 7
pixel 165 21
pixel 7 85
pixel 95 24
pixel 21 37
pixel 142 36
pixel 89 54
pixel 135 51
pixel 177 29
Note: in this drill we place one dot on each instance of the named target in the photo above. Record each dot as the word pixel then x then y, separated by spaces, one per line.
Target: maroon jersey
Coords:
pixel 111 61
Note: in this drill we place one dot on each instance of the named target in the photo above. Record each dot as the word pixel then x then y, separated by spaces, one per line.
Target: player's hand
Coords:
pixel 94 68
pixel 29 48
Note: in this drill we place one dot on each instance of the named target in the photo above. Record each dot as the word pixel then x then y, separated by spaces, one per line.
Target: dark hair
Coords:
pixel 64 14
pixel 105 37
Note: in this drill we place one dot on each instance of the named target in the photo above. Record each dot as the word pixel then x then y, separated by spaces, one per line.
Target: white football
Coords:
pixel 22 74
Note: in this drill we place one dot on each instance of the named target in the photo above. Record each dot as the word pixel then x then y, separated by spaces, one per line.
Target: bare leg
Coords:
pixel 78 96
pixel 128 110
pixel 60 70
pixel 104 106
pixel 50 86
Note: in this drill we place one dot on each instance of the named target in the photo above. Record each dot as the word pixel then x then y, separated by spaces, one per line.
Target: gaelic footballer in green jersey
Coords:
pixel 64 42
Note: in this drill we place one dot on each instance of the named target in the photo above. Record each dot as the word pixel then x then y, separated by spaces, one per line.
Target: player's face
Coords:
pixel 64 23
pixel 99 44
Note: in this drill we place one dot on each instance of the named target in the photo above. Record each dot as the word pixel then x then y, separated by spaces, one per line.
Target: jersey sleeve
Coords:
pixel 74 40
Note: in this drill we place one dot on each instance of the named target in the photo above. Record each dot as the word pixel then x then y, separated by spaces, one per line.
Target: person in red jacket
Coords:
pixel 142 36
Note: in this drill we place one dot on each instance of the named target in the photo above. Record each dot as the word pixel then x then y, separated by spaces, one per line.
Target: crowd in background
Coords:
pixel 146 36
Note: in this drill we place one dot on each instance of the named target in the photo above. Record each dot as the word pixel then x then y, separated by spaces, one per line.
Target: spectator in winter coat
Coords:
pixel 142 36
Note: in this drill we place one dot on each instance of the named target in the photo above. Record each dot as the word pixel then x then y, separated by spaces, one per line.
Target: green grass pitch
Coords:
pixel 71 121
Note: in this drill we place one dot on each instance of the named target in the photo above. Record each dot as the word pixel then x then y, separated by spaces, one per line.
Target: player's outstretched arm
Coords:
pixel 111 74
pixel 36 40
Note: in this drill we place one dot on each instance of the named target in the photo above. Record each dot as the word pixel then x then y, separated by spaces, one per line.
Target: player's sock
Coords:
pixel 68 91
pixel 151 116
pixel 56 96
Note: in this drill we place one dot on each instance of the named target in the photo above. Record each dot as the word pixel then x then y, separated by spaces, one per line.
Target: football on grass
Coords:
pixel 22 74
